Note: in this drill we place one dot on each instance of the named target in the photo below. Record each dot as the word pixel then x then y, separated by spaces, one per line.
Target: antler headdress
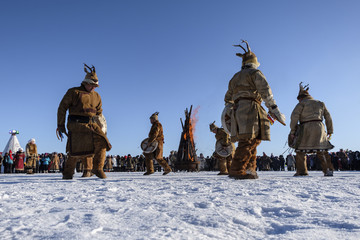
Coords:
pixel 212 126
pixel 155 116
pixel 91 77
pixel 247 56
pixel 303 91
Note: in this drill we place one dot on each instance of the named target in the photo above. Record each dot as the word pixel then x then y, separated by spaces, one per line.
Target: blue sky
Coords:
pixel 166 55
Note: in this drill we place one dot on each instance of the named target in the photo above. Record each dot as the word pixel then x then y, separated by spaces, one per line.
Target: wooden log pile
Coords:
pixel 186 159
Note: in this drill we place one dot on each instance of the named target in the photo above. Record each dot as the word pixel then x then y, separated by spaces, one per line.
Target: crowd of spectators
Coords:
pixel 342 160
pixel 46 162
pixel 55 162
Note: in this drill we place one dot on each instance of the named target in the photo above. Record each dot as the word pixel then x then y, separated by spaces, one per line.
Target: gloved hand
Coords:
pixel 329 136
pixel 59 132
pixel 276 114
pixel 61 128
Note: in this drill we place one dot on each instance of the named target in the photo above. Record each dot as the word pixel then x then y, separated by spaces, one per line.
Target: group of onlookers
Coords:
pixel 275 163
pixel 127 163
pixel 13 162
pixel 54 162
pixel 341 160
pixel 16 163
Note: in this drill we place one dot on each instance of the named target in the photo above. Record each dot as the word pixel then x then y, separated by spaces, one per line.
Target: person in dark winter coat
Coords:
pixel 45 161
pixel 8 162
pixel 1 161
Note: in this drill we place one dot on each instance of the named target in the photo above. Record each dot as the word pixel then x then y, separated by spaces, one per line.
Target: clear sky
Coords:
pixel 166 55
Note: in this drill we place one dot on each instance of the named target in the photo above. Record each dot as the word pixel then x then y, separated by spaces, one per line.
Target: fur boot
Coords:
pixel 149 166
pixel 222 164
pixel 70 165
pixel 87 173
pixel 164 165
pixel 301 168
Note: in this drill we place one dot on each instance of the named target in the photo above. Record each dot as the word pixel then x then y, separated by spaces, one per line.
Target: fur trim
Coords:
pixel 90 81
pixel 252 65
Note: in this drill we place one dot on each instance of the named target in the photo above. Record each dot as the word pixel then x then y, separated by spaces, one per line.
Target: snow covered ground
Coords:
pixel 180 206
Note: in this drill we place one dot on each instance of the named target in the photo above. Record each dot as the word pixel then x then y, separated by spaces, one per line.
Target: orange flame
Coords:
pixel 192 123
pixel 188 134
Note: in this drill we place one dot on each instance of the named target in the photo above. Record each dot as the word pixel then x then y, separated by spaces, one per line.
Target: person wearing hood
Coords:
pixel 8 162
pixel 55 163
pixel 31 156
pixel 250 123
pixel 308 132
pixel 87 138
pixel 156 134
pixel 19 161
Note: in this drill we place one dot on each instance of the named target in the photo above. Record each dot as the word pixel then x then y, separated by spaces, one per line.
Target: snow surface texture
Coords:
pixel 180 206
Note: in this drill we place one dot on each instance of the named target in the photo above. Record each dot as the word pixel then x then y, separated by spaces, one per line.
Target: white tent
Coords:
pixel 13 144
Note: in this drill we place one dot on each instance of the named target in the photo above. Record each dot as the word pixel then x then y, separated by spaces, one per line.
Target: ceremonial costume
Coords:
pixel 86 139
pixel 223 138
pixel 249 121
pixel 156 134
pixel 31 156
pixel 306 124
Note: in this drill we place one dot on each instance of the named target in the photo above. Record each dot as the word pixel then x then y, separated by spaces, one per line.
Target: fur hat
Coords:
pixel 303 91
pixel 32 140
pixel 248 56
pixel 155 116
pixel 91 77
pixel 212 126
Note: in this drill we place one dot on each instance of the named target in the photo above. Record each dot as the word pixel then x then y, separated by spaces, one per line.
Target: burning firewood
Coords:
pixel 186 155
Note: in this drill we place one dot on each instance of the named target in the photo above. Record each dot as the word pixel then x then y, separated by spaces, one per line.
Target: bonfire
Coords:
pixel 186 158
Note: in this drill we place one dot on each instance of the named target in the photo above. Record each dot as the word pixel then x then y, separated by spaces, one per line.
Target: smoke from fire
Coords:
pixel 194 120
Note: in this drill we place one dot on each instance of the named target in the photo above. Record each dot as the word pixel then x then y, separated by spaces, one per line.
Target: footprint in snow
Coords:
pixel 203 205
